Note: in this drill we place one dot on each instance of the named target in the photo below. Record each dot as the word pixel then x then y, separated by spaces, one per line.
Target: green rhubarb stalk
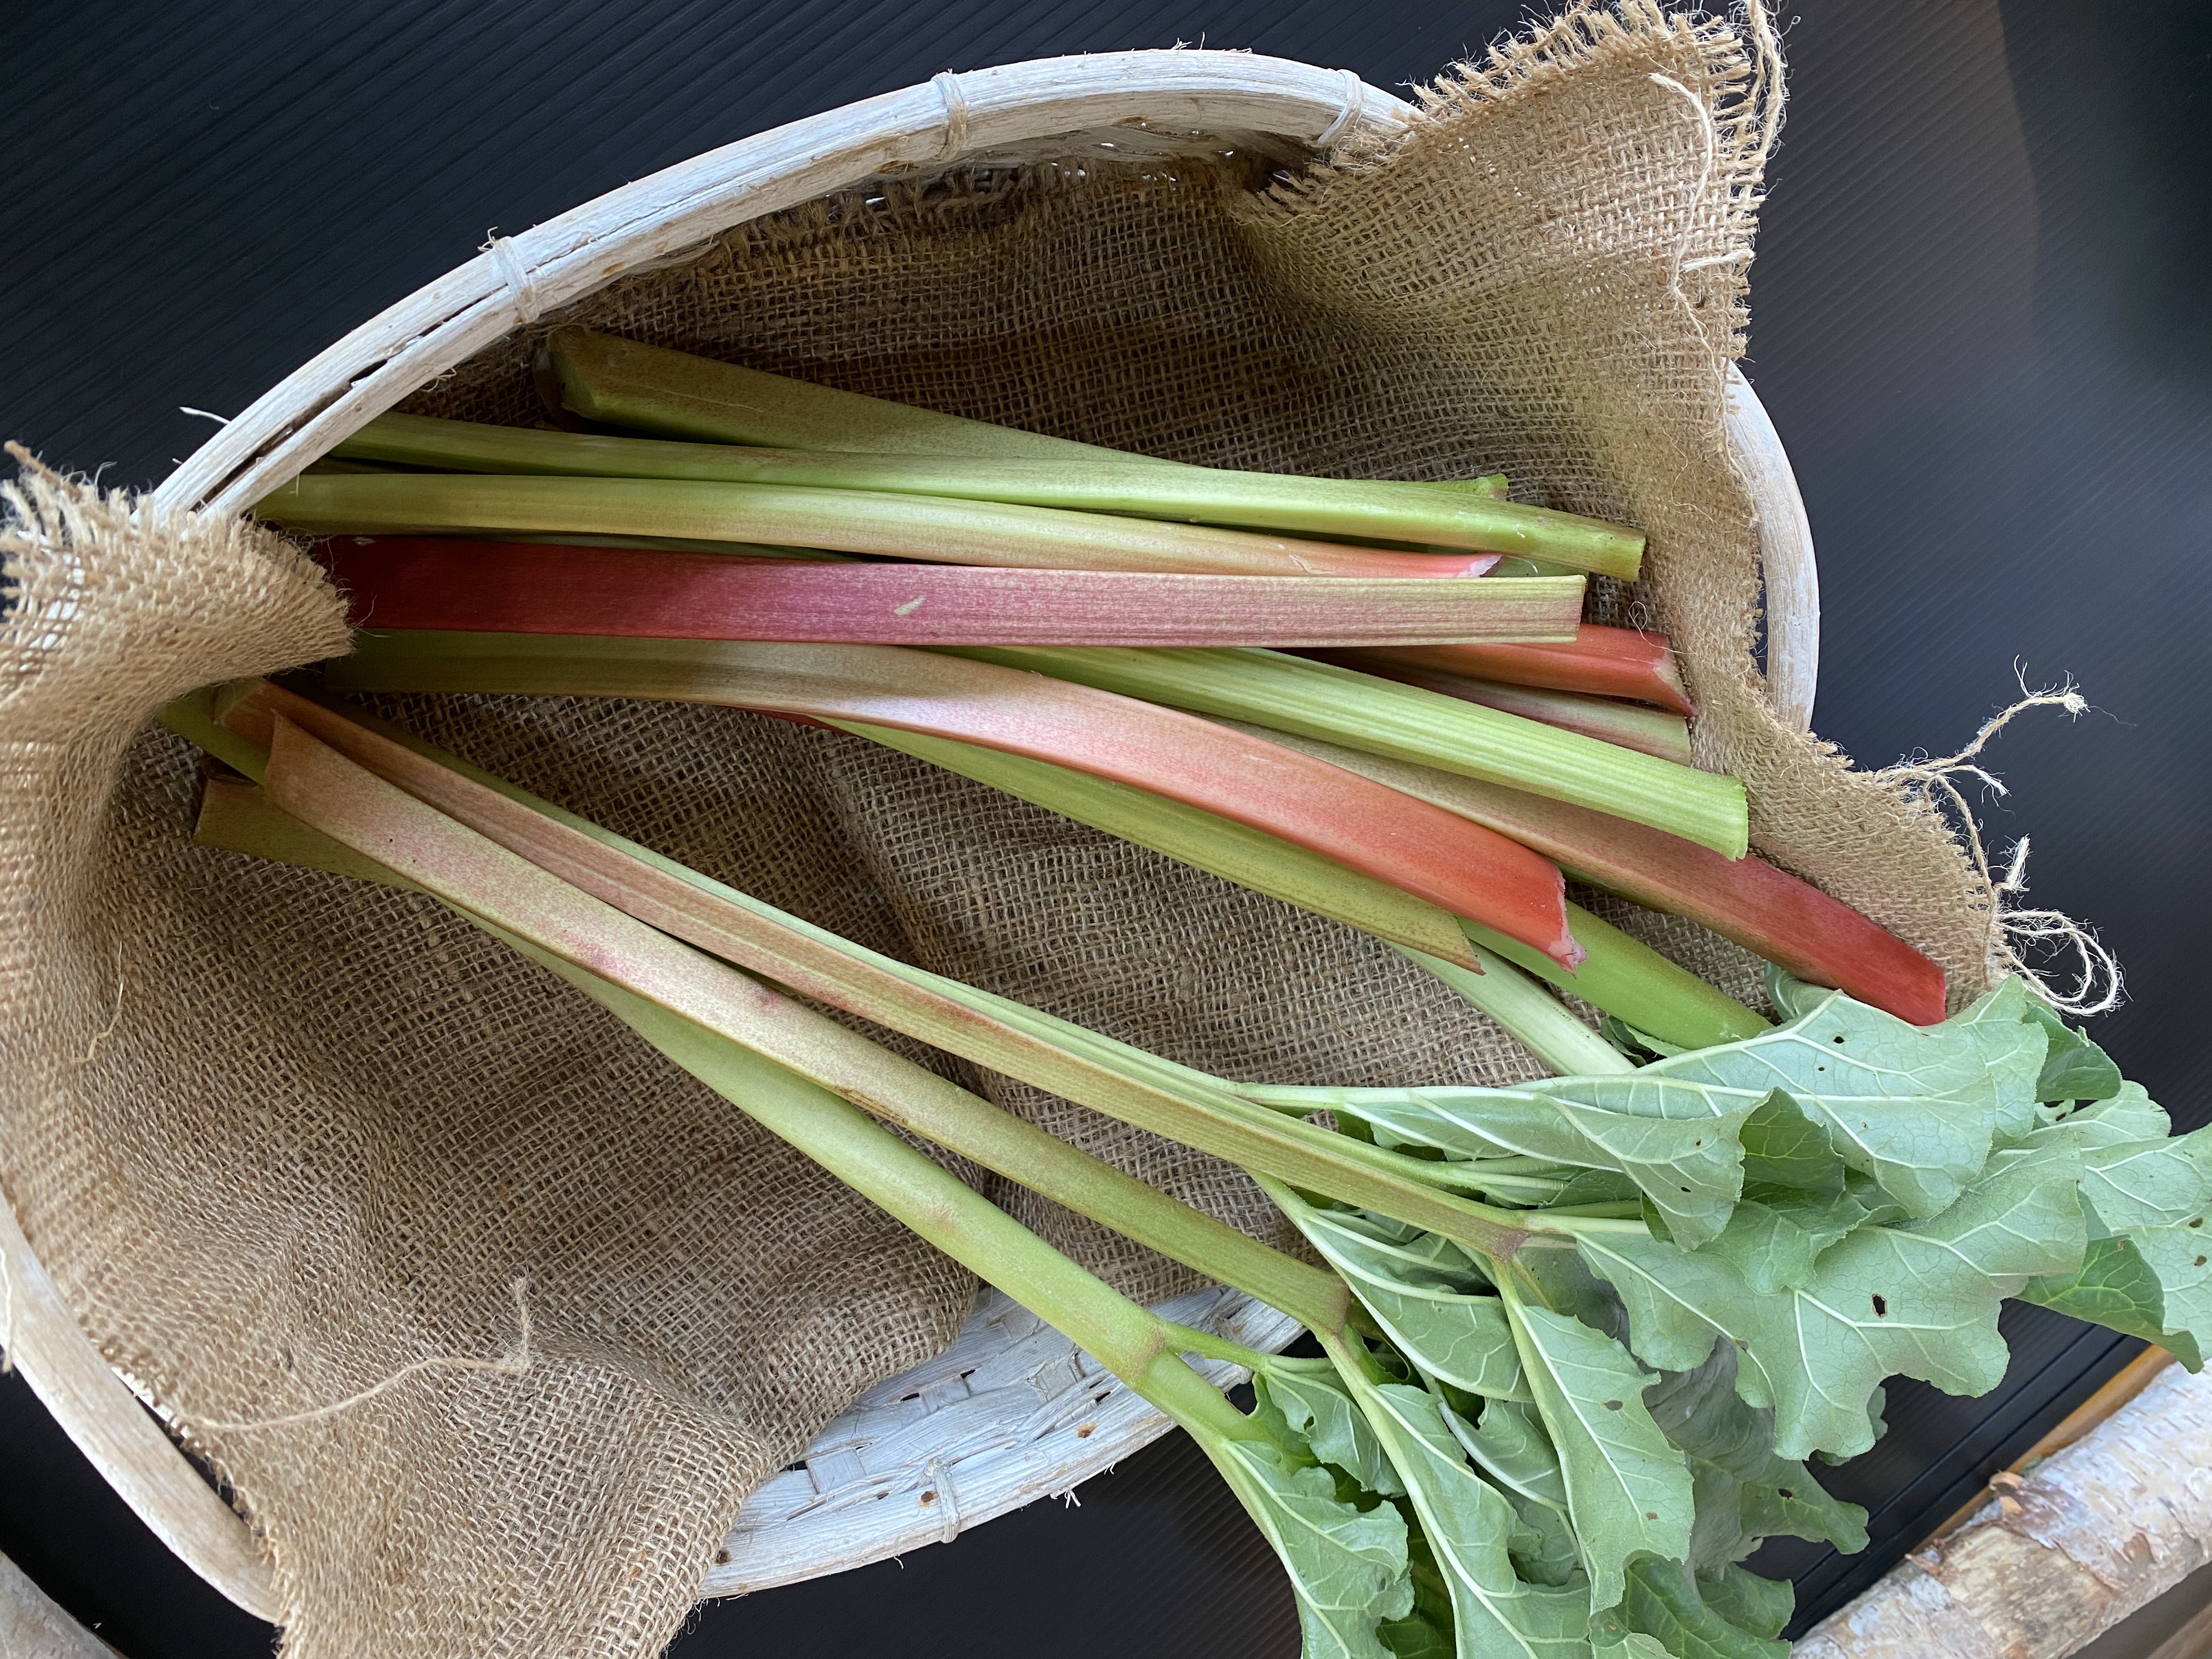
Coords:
pixel 318 788
pixel 682 1003
pixel 622 382
pixel 940 529
pixel 1424 850
pixel 239 818
pixel 1623 977
pixel 1630 725
pixel 1382 717
pixel 1050 1054
pixel 1445 516
pixel 1134 1343
pixel 1529 1012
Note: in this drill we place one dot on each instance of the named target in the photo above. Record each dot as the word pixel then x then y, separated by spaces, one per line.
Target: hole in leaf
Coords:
pixel 2198 1222
pixel 1839 1039
pixel 1613 1404
pixel 1880 1305
pixel 2200 1262
pixel 1785 1492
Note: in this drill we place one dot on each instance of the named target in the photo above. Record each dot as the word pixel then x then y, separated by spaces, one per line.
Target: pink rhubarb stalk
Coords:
pixel 1424 850
pixel 1605 662
pixel 521 587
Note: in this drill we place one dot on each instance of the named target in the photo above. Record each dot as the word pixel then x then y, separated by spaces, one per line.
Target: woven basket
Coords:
pixel 1013 1411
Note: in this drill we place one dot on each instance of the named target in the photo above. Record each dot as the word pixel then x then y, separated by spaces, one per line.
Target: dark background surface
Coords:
pixel 1981 321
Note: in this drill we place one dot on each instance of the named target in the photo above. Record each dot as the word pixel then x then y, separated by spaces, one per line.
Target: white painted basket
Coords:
pixel 1013 1411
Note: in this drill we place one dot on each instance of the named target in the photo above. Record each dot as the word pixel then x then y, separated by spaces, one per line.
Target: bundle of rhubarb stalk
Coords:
pixel 1573 1340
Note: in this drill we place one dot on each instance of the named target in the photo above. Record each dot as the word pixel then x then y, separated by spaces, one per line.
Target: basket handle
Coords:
pixel 664 217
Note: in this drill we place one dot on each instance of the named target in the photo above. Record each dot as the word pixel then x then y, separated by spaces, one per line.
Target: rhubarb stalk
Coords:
pixel 1774 914
pixel 398 583
pixel 1050 1054
pixel 1626 725
pixel 1449 515
pixel 1424 850
pixel 935 528
pixel 1604 662
pixel 1380 717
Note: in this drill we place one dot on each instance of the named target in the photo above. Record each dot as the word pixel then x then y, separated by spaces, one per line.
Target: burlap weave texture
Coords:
pixel 279 1135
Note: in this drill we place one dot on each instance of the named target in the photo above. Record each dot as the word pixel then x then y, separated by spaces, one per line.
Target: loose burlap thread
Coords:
pixel 280 1137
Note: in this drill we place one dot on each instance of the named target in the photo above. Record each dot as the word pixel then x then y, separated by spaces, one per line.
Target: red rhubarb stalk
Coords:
pixel 1789 922
pixel 1424 850
pixel 1606 662
pixel 524 587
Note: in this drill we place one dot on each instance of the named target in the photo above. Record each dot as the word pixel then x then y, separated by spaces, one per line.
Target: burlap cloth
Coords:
pixel 278 1136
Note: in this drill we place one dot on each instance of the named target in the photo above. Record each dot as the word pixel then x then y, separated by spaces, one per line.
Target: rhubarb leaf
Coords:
pixel 1318 1414
pixel 2016 1050
pixel 2116 1288
pixel 1662 1603
pixel 1761 1606
pixel 1746 1491
pixel 2074 1068
pixel 1427 1296
pixel 1509 1446
pixel 1627 1490
pixel 1777 1234
pixel 2151 1193
pixel 1783 1148
pixel 1466 1522
pixel 1348 1568
pixel 1690 1169
pixel 1915 1108
pixel 1919 1298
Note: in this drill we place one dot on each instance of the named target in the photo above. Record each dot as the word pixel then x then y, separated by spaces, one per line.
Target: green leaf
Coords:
pixel 1793 998
pixel 1918 1298
pixel 1627 1490
pixel 1746 1491
pixel 1466 1522
pixel 1348 1569
pixel 2014 1048
pixel 1509 1446
pixel 1663 1603
pixel 1690 1169
pixel 2117 1289
pixel 1915 1108
pixel 1425 1303
pixel 1778 1234
pixel 1507 1442
pixel 2074 1068
pixel 1415 1636
pixel 1783 1147
pixel 1761 1606
pixel 1318 1412
pixel 2153 1192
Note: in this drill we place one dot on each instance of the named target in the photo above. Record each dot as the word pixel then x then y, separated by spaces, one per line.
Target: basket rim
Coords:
pixel 662 218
